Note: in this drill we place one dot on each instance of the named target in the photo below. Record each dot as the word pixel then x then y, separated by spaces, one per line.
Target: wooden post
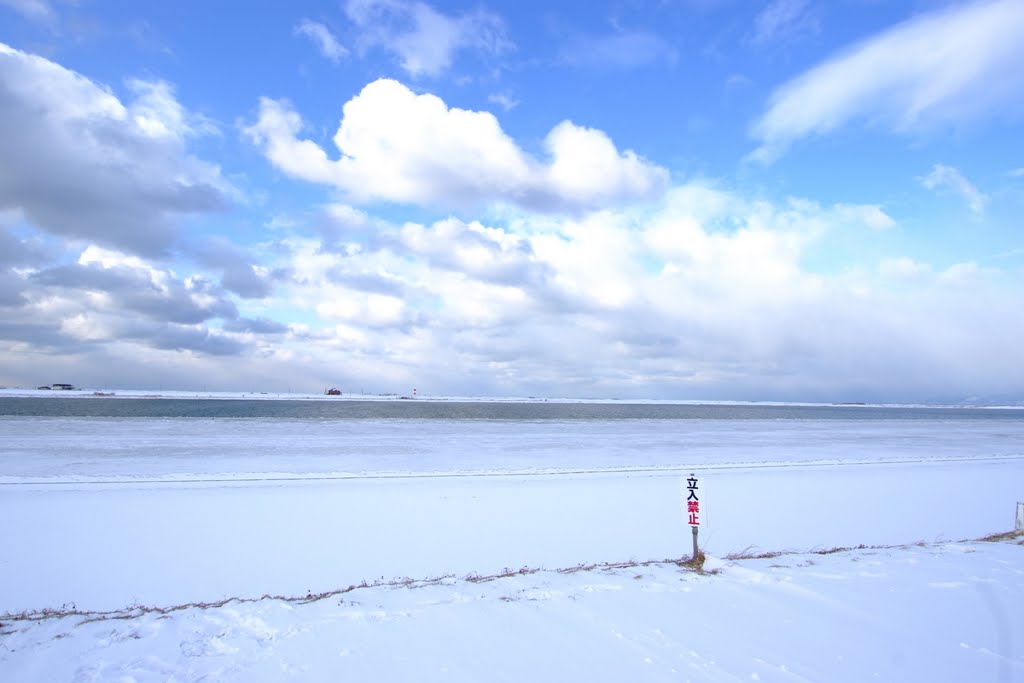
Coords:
pixel 1020 518
pixel 695 529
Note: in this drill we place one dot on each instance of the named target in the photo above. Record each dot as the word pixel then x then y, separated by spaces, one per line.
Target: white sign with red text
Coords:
pixel 691 500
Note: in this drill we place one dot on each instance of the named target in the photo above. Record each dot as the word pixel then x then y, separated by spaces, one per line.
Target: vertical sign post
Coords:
pixel 692 503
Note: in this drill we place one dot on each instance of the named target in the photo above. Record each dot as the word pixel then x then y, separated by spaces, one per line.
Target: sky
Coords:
pixel 700 199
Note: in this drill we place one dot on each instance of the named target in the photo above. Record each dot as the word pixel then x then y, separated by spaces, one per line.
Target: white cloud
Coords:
pixel 703 294
pixel 963 273
pixel 587 168
pixel 870 215
pixel 903 268
pixel 504 100
pixel 730 252
pixel 158 113
pixel 782 20
pixel 953 65
pixel 107 296
pixel 424 40
pixel 240 269
pixel 78 162
pixel 949 177
pixel 485 254
pixel 370 310
pixel 402 147
pixel 323 39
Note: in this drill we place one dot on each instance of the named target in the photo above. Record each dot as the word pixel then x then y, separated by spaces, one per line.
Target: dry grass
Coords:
pixel 841 549
pixel 695 565
pixel 1014 537
pixel 135 611
pixel 503 574
pixel 748 554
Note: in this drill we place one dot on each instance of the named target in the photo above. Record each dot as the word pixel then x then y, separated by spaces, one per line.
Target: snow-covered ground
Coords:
pixel 948 612
pixel 103 513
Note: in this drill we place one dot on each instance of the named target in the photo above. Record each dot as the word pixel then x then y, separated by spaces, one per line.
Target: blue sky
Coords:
pixel 703 199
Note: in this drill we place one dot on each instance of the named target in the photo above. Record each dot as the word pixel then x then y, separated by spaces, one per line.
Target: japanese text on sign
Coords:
pixel 692 501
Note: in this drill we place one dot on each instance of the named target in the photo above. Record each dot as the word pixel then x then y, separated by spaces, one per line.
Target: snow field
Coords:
pixel 104 546
pixel 938 613
pixel 102 514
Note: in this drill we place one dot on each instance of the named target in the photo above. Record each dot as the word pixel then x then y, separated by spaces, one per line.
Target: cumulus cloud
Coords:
pixel 324 40
pixel 19 251
pixel 79 163
pixel 130 285
pixel 706 293
pixel 398 146
pixel 110 317
pixel 99 327
pixel 255 326
pixel 950 66
pixel 156 112
pixel 942 176
pixel 18 256
pixel 485 254
pixel 241 270
pixel 423 40
pixel 367 309
pixel 11 287
pixel 110 299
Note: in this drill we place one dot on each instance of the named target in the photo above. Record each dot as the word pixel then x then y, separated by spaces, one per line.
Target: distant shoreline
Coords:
pixel 296 396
